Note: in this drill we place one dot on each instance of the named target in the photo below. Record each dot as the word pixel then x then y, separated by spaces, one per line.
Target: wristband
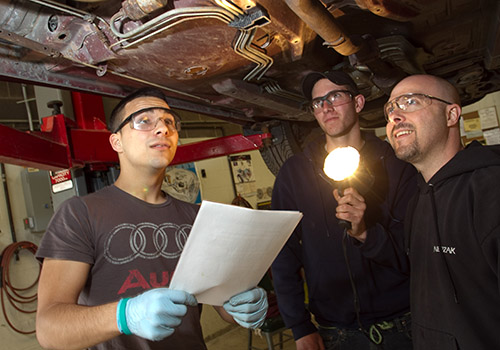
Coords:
pixel 121 317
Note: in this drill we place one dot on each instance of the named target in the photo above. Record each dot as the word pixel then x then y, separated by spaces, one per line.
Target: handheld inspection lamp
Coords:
pixel 340 165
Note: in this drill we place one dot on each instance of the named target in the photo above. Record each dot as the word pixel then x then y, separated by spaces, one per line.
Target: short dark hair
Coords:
pixel 114 119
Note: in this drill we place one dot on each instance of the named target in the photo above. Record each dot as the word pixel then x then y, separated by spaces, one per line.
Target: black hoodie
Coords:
pixel 453 244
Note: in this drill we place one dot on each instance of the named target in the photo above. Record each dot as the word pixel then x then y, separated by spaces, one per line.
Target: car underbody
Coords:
pixel 243 60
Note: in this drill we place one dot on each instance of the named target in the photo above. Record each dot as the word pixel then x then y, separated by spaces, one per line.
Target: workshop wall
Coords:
pixel 489 100
pixel 22 272
pixel 480 120
pixel 217 183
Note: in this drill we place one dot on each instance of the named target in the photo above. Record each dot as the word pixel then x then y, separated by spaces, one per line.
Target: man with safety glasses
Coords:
pixel 453 224
pixel 108 257
pixel 357 300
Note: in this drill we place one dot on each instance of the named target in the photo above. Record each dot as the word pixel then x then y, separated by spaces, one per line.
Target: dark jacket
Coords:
pixel 454 246
pixel 316 244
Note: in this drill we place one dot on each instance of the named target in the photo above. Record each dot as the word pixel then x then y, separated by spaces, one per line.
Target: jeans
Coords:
pixel 397 337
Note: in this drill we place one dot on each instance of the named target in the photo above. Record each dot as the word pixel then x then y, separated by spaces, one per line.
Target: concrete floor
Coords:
pixel 237 339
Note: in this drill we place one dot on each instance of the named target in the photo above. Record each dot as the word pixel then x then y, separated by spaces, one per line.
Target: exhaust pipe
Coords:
pixel 317 17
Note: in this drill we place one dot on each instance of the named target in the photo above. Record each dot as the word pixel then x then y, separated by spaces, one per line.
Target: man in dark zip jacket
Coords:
pixel 358 299
pixel 453 224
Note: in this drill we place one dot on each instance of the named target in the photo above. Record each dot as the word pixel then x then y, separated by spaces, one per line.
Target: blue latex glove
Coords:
pixel 248 308
pixel 155 314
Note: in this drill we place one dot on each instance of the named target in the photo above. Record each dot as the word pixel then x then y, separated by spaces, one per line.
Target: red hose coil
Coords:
pixel 11 293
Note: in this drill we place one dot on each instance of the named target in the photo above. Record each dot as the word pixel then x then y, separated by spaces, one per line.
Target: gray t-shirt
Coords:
pixel 131 246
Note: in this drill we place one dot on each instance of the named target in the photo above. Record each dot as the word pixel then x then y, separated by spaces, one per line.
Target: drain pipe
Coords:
pixel 319 19
pixel 7 201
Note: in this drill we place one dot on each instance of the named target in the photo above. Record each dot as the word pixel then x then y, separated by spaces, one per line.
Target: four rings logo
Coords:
pixel 146 240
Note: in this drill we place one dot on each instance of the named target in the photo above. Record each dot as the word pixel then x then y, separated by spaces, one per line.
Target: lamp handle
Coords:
pixel 342 185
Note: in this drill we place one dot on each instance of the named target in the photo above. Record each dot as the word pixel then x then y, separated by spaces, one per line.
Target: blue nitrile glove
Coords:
pixel 248 308
pixel 154 314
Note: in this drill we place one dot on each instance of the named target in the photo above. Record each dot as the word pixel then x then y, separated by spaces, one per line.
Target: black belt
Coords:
pixel 399 323
pixel 374 330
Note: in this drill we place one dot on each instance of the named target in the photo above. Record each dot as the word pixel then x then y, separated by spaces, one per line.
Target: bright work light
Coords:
pixel 341 163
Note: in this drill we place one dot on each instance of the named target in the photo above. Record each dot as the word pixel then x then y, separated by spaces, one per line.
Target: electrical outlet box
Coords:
pixel 36 188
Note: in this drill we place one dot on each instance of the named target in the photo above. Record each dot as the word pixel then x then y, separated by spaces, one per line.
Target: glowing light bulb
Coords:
pixel 341 163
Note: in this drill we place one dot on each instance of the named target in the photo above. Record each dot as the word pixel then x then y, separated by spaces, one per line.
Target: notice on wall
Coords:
pixel 242 168
pixel 492 136
pixel 488 117
pixel 481 126
pixel 472 122
pixel 61 180
pixel 243 174
pixel 472 126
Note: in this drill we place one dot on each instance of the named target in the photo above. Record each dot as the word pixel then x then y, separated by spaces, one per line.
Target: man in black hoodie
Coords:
pixel 453 224
pixel 358 300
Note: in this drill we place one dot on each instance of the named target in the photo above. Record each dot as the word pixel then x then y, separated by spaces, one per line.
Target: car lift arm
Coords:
pixel 65 144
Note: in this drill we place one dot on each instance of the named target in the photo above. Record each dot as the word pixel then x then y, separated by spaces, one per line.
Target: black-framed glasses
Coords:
pixel 409 103
pixel 146 119
pixel 333 98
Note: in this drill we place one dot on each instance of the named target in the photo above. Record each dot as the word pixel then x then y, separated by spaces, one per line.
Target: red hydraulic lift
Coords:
pixel 64 144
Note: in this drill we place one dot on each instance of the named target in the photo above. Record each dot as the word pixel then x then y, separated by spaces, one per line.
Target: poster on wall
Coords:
pixel 471 126
pixel 243 174
pixel 182 182
pixel 61 180
pixel 492 136
pixel 481 125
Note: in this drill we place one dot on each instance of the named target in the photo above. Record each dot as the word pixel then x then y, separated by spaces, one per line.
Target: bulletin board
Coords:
pixel 481 125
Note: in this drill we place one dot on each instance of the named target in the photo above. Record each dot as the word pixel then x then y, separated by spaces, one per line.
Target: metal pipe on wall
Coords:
pixel 26 104
pixel 7 202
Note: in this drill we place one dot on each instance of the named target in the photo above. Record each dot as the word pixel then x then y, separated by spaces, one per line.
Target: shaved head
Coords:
pixel 427 84
pixel 427 136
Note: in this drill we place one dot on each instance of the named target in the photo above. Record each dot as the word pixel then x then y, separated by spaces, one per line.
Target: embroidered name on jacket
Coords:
pixel 445 250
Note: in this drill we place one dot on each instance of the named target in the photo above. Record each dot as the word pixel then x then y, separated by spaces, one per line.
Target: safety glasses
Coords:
pixel 409 103
pixel 333 98
pixel 147 119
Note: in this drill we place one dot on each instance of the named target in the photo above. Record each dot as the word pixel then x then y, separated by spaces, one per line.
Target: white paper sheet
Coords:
pixel 229 250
